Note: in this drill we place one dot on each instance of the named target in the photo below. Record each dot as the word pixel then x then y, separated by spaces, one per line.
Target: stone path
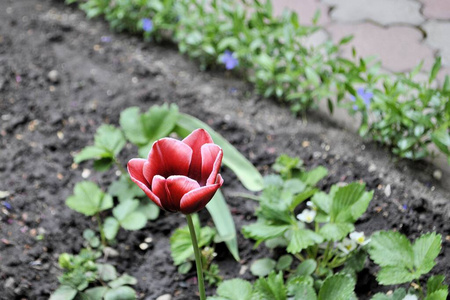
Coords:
pixel 401 33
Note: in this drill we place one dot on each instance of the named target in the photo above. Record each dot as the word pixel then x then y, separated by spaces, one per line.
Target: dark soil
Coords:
pixel 43 123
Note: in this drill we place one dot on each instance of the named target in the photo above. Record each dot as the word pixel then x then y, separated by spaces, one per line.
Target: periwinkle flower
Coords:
pixel 180 175
pixel 147 25
pixel 230 60
pixel 365 95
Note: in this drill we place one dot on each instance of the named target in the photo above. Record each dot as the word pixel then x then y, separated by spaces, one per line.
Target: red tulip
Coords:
pixel 180 175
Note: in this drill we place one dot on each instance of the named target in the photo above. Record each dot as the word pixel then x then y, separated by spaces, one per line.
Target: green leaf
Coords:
pixel 441 138
pixel 307 267
pixel 336 231
pixel 395 275
pixel 181 243
pixel 314 176
pixel 108 142
pixel 302 239
pixel 304 291
pixel 337 287
pixel 261 232
pixel 436 283
pixel 91 152
pixel 149 209
pixel 426 248
pixel 156 123
pixel 322 201
pixel 88 199
pixel 125 189
pixel 312 76
pixel 284 262
pixel 184 268
pixel 398 294
pixel 64 292
pixel 438 295
pixel 435 69
pixel 122 210
pixel 121 293
pixel 235 289
pixel 125 279
pixel 389 248
pixel 96 292
pixel 110 227
pixel 224 222
pixel 134 221
pixel 106 272
pixel 262 267
pixel 271 288
pixel 349 202
pixel 244 170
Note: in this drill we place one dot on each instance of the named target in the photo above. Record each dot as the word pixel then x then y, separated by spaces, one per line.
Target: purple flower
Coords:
pixel 365 95
pixel 229 59
pixel 7 205
pixel 147 24
pixel 105 39
pixel 405 207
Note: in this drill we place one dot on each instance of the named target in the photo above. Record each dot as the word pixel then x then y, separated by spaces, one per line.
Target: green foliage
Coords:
pixel 181 244
pixel 273 53
pixel 89 199
pixel 400 261
pixel 128 215
pixel 108 142
pixel 82 271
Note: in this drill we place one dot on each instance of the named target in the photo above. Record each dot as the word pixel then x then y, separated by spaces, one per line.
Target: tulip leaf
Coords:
pixel 224 223
pixel 232 158
pixel 89 199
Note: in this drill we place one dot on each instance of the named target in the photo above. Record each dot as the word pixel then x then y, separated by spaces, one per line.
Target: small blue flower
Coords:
pixel 147 25
pixel 229 59
pixel 105 39
pixel 365 95
pixel 7 205
pixel 405 207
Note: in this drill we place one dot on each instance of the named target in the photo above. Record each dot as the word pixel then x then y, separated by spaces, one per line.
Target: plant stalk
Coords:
pixel 100 228
pixel 198 258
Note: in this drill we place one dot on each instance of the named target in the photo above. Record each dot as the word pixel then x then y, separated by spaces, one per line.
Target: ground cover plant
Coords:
pixel 271 52
pixel 44 124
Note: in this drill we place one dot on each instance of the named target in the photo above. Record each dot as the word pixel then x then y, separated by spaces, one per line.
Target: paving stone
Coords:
pixel 384 12
pixel 317 38
pixel 438 38
pixel 436 9
pixel 400 48
pixel 305 9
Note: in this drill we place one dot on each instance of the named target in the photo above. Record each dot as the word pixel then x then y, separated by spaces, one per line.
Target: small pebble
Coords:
pixel 110 252
pixel 165 297
pixel 148 240
pixel 53 76
pixel 9 283
pixel 4 194
pixel 387 190
pixel 372 168
pixel 143 246
pixel 86 173
pixel 437 174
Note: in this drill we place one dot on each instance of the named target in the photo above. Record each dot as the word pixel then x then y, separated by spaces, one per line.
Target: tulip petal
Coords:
pixel 159 189
pixel 168 157
pixel 135 168
pixel 197 199
pixel 177 187
pixel 196 140
pixel 211 160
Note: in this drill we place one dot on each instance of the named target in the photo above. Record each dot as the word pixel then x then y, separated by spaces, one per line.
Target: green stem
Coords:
pixel 100 228
pixel 198 258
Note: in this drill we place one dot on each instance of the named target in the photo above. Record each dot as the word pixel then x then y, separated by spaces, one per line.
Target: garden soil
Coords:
pixel 46 117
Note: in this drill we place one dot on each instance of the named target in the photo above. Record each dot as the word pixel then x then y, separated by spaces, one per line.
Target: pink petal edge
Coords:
pixel 198 198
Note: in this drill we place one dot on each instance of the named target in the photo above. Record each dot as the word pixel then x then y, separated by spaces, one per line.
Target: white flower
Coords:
pixel 307 215
pixel 311 205
pixel 410 297
pixel 347 246
pixel 359 238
